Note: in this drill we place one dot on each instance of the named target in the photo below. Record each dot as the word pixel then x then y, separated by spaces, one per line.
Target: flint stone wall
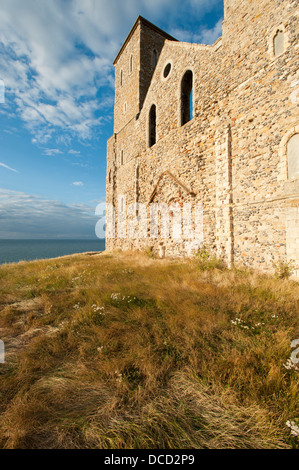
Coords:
pixel 232 156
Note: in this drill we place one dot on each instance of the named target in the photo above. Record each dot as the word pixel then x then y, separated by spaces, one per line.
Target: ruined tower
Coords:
pixel 134 67
pixel 212 124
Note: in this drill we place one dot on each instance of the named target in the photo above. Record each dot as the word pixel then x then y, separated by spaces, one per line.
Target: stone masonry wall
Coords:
pixel 232 156
pixel 127 93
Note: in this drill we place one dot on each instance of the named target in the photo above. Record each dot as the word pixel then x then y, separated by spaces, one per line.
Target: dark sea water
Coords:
pixel 12 251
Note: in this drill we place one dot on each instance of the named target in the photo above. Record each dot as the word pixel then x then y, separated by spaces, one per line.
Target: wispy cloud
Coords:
pixel 8 167
pixel 78 183
pixel 54 78
pixel 209 36
pixel 57 58
pixel 28 216
pixel 51 152
pixel 203 36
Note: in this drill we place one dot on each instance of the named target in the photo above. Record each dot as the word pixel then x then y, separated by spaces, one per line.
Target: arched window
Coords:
pixel 278 43
pixel 152 125
pixel 131 64
pixel 155 58
pixel 293 156
pixel 121 78
pixel 186 97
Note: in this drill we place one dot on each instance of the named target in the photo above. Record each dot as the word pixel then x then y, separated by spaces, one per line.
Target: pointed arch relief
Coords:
pixel 182 187
pixel 175 213
pixel 293 156
pixel 289 155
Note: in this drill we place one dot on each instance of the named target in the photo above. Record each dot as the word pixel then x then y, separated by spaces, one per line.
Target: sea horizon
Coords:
pixel 16 250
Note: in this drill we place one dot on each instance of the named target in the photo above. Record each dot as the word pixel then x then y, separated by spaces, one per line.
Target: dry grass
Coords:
pixel 125 351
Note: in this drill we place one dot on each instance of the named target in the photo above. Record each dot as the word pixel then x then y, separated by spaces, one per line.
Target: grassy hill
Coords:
pixel 126 351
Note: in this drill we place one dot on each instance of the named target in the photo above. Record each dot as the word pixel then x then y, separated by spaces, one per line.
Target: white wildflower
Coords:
pixel 240 323
pixel 97 309
pixel 115 296
pixel 119 376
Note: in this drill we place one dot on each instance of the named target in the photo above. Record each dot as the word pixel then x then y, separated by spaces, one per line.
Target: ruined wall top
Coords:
pixel 134 67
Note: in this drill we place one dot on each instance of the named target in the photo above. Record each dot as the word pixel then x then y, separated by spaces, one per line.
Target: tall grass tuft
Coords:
pixel 122 350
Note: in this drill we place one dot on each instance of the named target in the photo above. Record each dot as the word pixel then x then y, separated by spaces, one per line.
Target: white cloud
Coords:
pixel 202 36
pixel 51 152
pixel 81 165
pixel 53 81
pixel 209 36
pixel 57 57
pixel 78 183
pixel 8 167
pixel 74 152
pixel 27 216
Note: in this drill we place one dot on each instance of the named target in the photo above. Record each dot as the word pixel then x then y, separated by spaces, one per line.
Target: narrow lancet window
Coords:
pixel 131 64
pixel 187 97
pixel 152 126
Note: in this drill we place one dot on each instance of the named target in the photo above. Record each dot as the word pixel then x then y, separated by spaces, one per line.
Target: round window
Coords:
pixel 167 70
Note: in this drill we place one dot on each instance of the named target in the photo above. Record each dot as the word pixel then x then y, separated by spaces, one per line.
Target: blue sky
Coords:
pixel 56 66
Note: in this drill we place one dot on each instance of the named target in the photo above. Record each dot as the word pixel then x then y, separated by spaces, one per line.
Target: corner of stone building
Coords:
pixel 242 126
